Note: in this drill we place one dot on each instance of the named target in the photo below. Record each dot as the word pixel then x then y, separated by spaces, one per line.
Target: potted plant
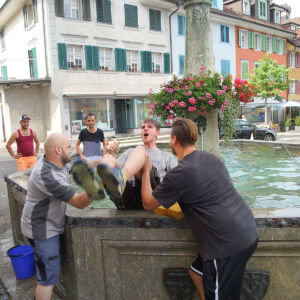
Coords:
pixel 297 123
pixel 288 122
pixel 199 94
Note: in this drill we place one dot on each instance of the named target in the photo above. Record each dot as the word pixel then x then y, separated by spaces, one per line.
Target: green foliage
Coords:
pixel 269 78
pixel 297 121
pixel 288 121
pixel 228 123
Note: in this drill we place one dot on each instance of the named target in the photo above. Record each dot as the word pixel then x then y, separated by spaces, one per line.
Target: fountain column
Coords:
pixel 199 52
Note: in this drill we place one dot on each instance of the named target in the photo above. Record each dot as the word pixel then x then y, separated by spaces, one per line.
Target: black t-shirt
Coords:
pixel 220 219
pixel 91 142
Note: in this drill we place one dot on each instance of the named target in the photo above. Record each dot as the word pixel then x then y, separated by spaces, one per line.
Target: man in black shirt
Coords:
pixel 220 219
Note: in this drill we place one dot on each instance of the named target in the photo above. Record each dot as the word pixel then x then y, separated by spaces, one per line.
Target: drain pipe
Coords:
pixel 45 43
pixel 171 52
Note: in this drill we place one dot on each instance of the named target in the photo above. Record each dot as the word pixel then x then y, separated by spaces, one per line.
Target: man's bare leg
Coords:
pixel 198 281
pixel 43 292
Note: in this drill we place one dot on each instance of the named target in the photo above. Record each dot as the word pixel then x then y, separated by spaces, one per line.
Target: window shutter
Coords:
pixel 227 34
pixel 25 16
pixel 34 63
pixel 222 33
pixel 167 68
pixel 59 8
pixel 275 44
pixel 4 72
pixel 297 60
pixel 297 86
pixel 225 67
pixel 251 39
pixel 86 10
pixel 103 8
pixel 146 60
pixel 240 38
pixel 131 15
pixel 62 56
pixel 120 59
pixel 181 24
pixel 88 57
pixel 284 46
pixel 155 19
pixel 245 70
pixel 181 64
pixel 35 13
pixel 95 58
pixel 289 59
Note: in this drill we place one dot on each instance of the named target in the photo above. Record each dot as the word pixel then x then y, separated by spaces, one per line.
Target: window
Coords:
pixel 156 62
pixel 33 63
pixel 225 67
pixel 277 16
pixel 181 64
pixel 280 46
pixel 246 7
pixel 292 87
pixel 269 44
pixel 106 58
pixel 2 41
pixel 224 34
pixel 103 8
pixel 257 42
pixel 244 69
pixel 72 9
pixel 155 19
pixel 292 60
pixel 75 56
pixel 30 13
pixel 132 60
pixel 215 3
pixel 293 27
pixel 243 39
pixel 4 73
pixel 181 24
pixel 262 9
pixel 131 15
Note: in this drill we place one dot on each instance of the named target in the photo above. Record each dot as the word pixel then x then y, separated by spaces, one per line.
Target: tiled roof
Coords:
pixel 294 20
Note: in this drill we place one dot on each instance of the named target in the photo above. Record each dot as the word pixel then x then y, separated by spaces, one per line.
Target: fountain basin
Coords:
pixel 112 254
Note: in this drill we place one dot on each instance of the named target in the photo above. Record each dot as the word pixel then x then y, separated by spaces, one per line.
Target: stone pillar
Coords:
pixel 199 52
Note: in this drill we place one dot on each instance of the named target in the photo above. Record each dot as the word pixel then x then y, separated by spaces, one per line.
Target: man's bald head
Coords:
pixel 53 140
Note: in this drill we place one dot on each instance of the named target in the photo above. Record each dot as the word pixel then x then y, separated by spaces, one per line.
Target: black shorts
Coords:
pixel 132 195
pixel 197 265
pixel 223 278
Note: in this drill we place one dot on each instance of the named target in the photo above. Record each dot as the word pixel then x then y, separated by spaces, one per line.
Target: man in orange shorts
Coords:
pixel 24 137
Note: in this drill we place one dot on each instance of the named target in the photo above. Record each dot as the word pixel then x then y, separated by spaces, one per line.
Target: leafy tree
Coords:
pixel 269 79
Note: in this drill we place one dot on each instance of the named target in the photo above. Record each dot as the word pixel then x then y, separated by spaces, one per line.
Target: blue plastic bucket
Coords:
pixel 22 259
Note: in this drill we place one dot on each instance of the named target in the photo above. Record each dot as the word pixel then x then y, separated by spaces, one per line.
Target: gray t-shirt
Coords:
pixel 47 196
pixel 163 161
pixel 220 219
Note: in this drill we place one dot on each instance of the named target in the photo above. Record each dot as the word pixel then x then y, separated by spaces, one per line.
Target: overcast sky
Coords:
pixel 294 4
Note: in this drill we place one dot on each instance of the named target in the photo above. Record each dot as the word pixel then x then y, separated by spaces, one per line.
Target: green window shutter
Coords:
pixel 35 12
pixel 240 38
pixel 88 57
pixel 59 8
pixel 146 61
pixel 275 44
pixel 120 59
pixel 95 58
pixel 103 8
pixel 86 10
pixel 245 70
pixel 131 15
pixel 4 72
pixel 167 68
pixel 25 16
pixel 34 63
pixel 62 56
pixel 155 19
pixel 251 39
pixel 181 24
pixel 284 46
pixel 181 64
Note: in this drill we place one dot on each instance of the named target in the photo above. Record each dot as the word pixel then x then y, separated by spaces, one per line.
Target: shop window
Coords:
pixel 75 56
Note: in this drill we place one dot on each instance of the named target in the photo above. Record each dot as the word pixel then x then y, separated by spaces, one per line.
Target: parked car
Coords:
pixel 244 130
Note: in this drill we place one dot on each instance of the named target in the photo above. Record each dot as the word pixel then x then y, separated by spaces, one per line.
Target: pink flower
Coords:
pixel 167 107
pixel 212 102
pixel 202 68
pixel 175 102
pixel 186 87
pixel 223 107
pixel 150 92
pixel 192 101
pixel 220 92
pixel 189 93
pixel 154 103
pixel 191 78
pixel 171 104
pixel 176 88
pixel 150 113
pixel 192 108
pixel 170 117
pixel 197 84
pixel 208 95
pixel 182 104
pixel 225 87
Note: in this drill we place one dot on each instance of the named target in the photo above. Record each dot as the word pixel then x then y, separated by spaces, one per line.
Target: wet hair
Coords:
pixel 186 132
pixel 90 115
pixel 152 122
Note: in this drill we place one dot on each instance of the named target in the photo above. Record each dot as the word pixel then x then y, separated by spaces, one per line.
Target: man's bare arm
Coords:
pixel 104 148
pixel 11 140
pixel 81 200
pixel 78 149
pixel 37 144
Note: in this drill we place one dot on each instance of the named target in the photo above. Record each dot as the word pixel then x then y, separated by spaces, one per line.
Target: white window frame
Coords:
pixel 292 60
pixel 269 44
pixel 280 46
pixel 104 57
pixel 246 7
pixel 247 61
pixel 72 48
pixel 157 62
pixel 244 38
pixel 259 12
pixel 293 27
pixel 277 16
pixel 292 86
pixel 70 9
pixel 257 41
pixel 132 63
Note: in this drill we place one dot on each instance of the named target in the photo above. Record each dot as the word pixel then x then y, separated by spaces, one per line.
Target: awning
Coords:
pixel 291 104
pixel 260 102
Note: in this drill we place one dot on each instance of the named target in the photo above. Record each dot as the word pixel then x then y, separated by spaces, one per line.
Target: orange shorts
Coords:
pixel 25 162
